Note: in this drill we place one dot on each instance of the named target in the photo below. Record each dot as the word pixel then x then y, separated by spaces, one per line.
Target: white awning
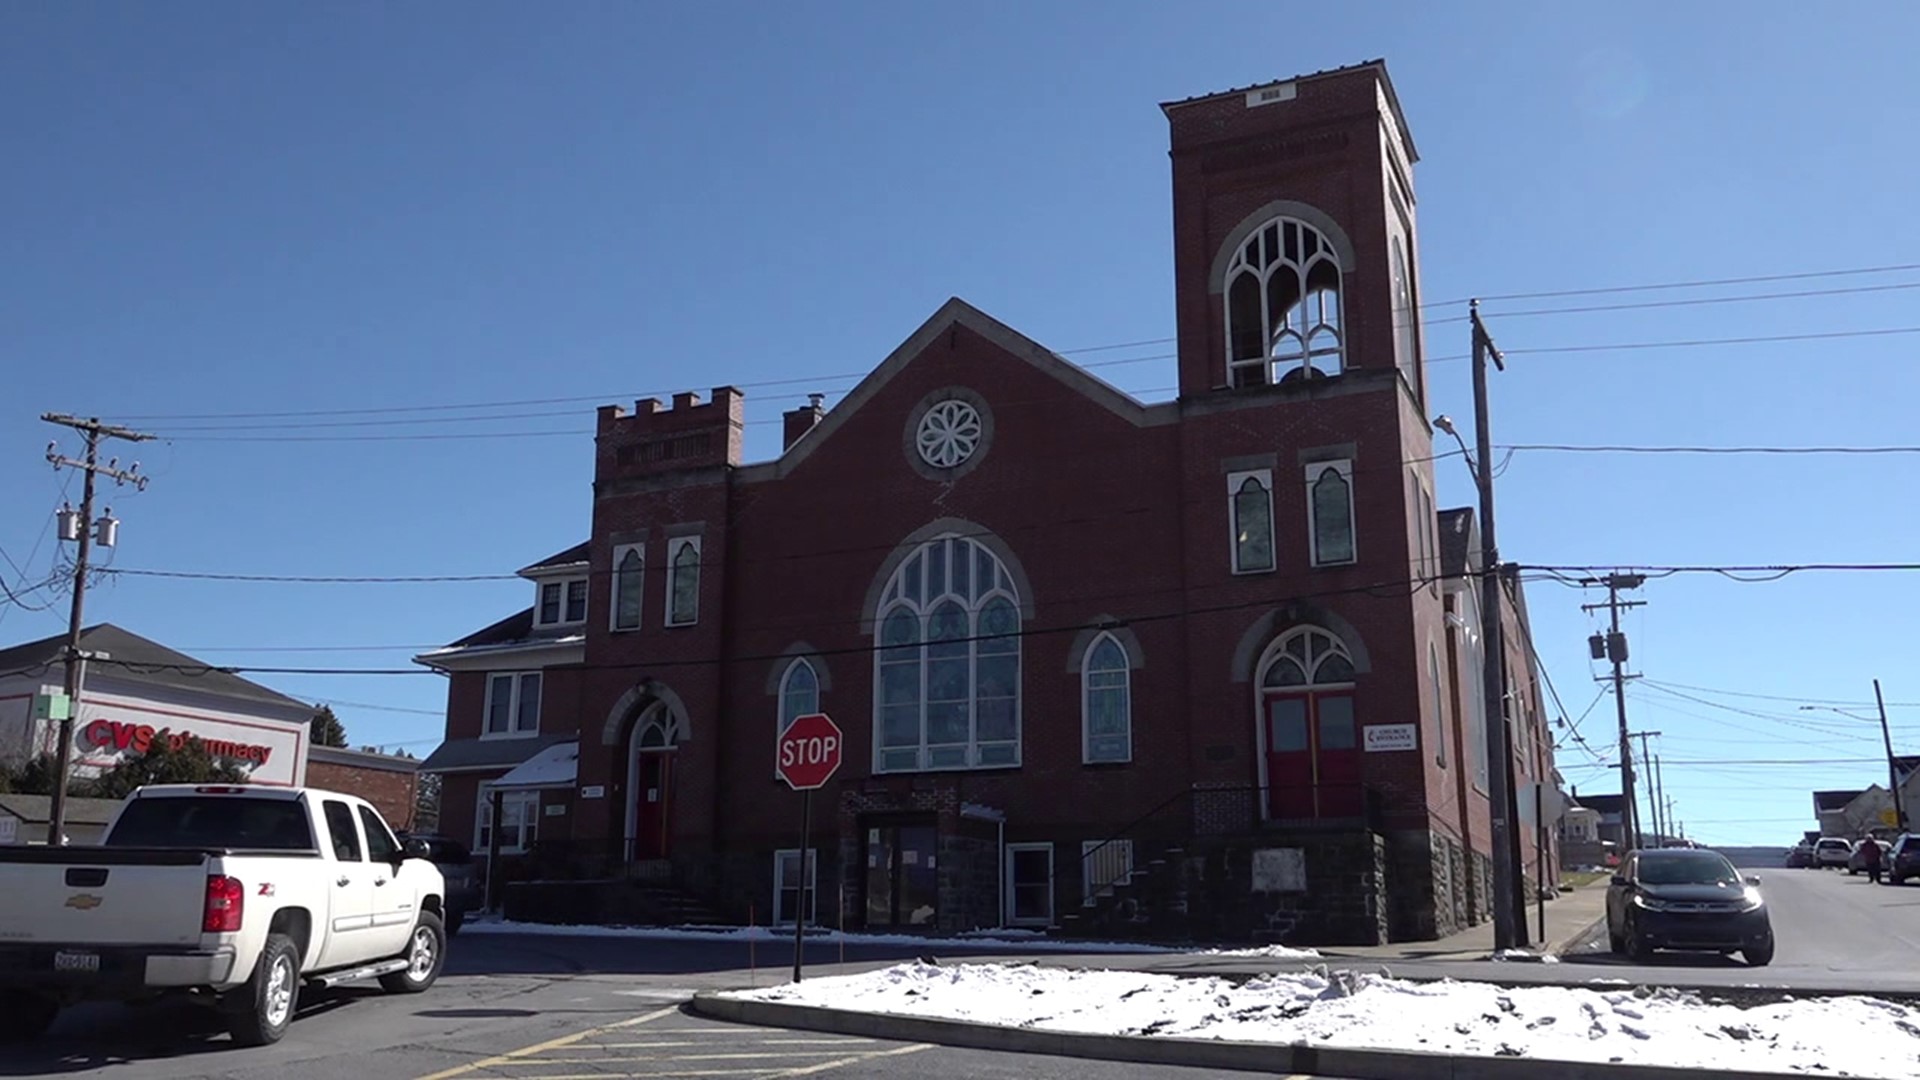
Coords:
pixel 558 766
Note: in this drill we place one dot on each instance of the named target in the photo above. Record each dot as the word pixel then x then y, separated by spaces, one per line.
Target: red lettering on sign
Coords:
pixel 141 738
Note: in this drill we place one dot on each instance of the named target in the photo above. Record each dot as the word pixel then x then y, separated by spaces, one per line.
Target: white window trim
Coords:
pixel 514 731
pixel 1234 481
pixel 674 547
pixel 1311 474
pixel 1086 701
pixel 1052 876
pixel 974 605
pixel 484 808
pixel 780 720
pixel 810 870
pixel 1087 847
pixel 613 593
pixel 565 584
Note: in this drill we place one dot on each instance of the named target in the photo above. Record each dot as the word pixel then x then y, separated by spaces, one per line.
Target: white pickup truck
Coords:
pixel 235 895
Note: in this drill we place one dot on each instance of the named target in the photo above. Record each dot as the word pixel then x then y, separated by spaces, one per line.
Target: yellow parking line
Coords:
pixel 825 1066
pixel 685 1057
pixel 734 1037
pixel 513 1056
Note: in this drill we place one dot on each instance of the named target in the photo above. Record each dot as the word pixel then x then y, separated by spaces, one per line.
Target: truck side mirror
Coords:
pixel 415 848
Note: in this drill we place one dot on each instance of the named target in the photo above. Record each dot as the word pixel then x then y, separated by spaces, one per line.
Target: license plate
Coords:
pixel 86 962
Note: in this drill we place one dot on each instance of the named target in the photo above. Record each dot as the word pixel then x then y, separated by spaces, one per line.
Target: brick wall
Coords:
pixel 390 784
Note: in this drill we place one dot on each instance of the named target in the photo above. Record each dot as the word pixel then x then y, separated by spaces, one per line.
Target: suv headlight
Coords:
pixel 1650 903
pixel 1751 900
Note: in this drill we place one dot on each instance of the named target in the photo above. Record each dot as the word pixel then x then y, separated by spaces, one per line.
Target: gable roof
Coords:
pixel 1606 804
pixel 573 556
pixel 1834 800
pixel 135 659
pixel 957 312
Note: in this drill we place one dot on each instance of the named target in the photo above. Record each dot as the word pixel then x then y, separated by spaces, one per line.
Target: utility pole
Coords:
pixel 1893 772
pixel 1613 646
pixel 1509 923
pixel 1665 825
pixel 82 529
pixel 1653 786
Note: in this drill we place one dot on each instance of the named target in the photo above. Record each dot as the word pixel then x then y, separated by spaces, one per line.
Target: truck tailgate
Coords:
pixel 102 896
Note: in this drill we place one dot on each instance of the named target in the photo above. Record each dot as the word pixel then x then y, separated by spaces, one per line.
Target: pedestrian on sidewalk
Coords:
pixel 1870 859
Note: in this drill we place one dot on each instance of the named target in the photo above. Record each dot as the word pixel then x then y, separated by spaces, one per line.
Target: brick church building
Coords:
pixel 1192 668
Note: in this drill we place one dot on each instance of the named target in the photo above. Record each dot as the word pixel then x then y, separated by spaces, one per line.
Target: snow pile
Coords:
pixel 1857 1036
pixel 1267 952
pixel 1025 941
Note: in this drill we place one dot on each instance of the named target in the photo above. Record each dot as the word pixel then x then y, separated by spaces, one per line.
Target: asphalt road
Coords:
pixel 544 1008
pixel 600 1008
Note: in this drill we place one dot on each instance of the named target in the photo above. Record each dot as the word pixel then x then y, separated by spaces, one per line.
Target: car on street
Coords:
pixel 1800 856
pixel 455 861
pixel 1687 899
pixel 1832 851
pixel 1857 862
pixel 1903 861
pixel 230 895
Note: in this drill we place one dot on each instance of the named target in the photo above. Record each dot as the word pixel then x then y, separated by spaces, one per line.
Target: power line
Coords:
pixel 1563 448
pixel 1694 302
pixel 1374 589
pixel 1777 697
pixel 1695 284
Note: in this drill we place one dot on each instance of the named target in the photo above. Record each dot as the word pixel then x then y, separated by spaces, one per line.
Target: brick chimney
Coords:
pixel 798 422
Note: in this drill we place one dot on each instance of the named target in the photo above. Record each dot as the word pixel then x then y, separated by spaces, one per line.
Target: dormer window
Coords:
pixel 562 603
pixel 1283 307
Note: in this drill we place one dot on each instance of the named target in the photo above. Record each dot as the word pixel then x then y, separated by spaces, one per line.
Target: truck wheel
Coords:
pixel 263 1007
pixel 426 954
pixel 25 1016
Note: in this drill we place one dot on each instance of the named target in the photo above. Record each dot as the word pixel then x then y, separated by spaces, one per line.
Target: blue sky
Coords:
pixel 227 209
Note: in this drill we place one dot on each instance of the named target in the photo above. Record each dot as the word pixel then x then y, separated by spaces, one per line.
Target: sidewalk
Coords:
pixel 1569 916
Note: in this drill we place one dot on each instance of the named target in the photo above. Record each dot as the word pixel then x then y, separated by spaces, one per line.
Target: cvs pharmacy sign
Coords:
pixel 119 735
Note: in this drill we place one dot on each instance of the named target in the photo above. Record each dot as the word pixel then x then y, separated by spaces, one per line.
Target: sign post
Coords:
pixel 807 755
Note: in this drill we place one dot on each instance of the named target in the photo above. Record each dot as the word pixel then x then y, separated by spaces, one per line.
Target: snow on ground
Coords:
pixel 1267 952
pixel 1856 1036
pixel 1025 941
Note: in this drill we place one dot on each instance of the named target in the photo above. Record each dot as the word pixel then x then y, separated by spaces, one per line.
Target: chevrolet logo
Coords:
pixel 83 901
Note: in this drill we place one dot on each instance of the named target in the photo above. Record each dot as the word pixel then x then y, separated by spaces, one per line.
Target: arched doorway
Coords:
pixel 651 749
pixel 1309 736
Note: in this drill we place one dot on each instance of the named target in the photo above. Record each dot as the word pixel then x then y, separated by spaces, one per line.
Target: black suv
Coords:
pixel 1903 861
pixel 1680 899
pixel 456 866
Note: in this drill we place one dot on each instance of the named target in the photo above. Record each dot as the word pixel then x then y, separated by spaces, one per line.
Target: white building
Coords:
pixel 136 692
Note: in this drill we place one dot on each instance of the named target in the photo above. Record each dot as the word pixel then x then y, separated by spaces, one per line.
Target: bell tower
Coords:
pixel 1294 234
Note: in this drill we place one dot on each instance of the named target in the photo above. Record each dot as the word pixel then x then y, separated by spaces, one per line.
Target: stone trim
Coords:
pixel 799 650
pixel 1106 624
pixel 1262 631
pixel 1299 211
pixel 625 711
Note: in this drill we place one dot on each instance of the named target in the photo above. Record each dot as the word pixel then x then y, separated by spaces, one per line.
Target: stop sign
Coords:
pixel 808 753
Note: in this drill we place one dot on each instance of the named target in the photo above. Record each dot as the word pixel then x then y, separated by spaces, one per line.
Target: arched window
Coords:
pixel 799 693
pixel 1106 703
pixel 1283 306
pixel 1308 656
pixel 1309 736
pixel 683 586
pixel 1405 319
pixel 947 681
pixel 629 566
pixel 1330 505
pixel 1439 707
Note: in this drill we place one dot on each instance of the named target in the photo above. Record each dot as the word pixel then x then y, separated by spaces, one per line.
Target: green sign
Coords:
pixel 55 706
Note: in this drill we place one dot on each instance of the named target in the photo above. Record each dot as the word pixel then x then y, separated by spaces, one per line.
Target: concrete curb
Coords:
pixel 1195 1053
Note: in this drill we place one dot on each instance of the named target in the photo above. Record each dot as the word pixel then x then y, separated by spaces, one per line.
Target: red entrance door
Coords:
pixel 653 803
pixel 1313 756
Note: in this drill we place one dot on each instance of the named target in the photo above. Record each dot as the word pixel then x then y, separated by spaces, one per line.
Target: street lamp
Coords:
pixel 1445 423
pixel 1886 737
